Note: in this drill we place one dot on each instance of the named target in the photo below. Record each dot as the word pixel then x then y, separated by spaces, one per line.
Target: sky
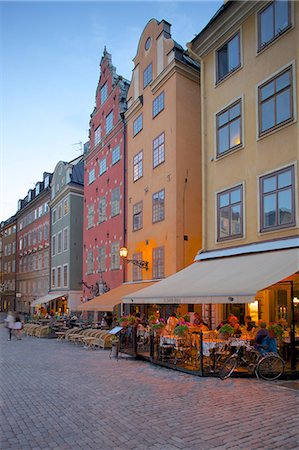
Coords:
pixel 49 70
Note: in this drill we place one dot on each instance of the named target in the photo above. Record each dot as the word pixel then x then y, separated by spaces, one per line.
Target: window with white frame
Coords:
pixel 102 209
pixel 40 234
pixel 158 263
pixel 159 206
pixel 46 231
pixel 228 57
pixel 277 199
pixel 59 211
pixel 115 258
pixel 109 122
pixel 138 166
pixel 230 213
pixel 104 93
pixel 147 75
pixel 54 245
pixel 273 21
pixel 91 176
pixel 275 101
pixel 65 239
pixel 158 104
pixel 65 275
pixel 137 216
pixel 65 207
pixel 137 271
pixel 103 166
pixel 59 242
pixel 159 150
pixel 59 276
pixel 97 135
pixel 115 201
pixel 53 277
pixel 102 259
pixel 89 262
pixel 90 216
pixel 137 125
pixel 115 154
pixel 54 216
pixel 229 128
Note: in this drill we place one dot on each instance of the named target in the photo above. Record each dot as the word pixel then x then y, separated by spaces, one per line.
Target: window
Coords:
pixel 54 216
pixel 97 135
pixel 40 234
pixel 91 176
pixel 65 207
pixel 277 192
pixel 109 122
pixel 147 75
pixel 158 150
pixel 115 154
pixel 59 242
pixel 275 102
pixel 104 93
pixel 159 206
pixel 65 239
pixel 65 275
pixel 53 277
pixel 20 244
pixel 90 216
pixel 115 258
pixel 273 20
pixel 90 262
pixel 230 213
pixel 228 57
pixel 158 104
pixel 137 271
pixel 103 166
pixel 102 209
pixel 137 125
pixel 59 212
pixel 102 259
pixel 158 262
pixel 137 216
pixel 59 276
pixel 46 232
pixel 229 131
pixel 138 166
pixel 54 245
pixel 115 202
pixel 40 211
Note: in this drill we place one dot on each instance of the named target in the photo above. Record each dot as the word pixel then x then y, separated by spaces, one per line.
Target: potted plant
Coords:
pixel 181 330
pixel 158 328
pixel 131 321
pixel 276 331
pixel 186 318
pixel 226 331
pixel 123 321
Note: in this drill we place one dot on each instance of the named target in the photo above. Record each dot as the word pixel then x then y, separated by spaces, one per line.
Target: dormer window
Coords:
pixel 147 75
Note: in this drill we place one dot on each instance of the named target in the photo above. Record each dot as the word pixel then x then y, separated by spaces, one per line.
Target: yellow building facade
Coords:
pixel 248 55
pixel 163 157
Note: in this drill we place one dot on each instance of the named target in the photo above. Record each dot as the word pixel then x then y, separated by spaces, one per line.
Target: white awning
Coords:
pixel 235 279
pixel 46 299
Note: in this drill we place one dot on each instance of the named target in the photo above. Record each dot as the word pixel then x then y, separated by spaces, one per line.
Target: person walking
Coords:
pixel 9 323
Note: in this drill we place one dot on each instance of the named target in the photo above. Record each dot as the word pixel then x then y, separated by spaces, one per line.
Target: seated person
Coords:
pixel 234 322
pixel 198 322
pixel 263 343
pixel 249 325
pixel 171 323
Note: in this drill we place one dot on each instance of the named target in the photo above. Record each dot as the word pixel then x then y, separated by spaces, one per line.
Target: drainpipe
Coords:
pixel 125 198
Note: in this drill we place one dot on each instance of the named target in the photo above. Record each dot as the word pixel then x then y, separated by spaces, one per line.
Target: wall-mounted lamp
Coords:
pixel 123 252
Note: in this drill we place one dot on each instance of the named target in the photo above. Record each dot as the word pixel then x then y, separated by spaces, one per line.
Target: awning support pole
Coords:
pixel 292 334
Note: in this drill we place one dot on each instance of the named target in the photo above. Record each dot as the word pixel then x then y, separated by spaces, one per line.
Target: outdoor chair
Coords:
pixel 105 341
pixel 42 331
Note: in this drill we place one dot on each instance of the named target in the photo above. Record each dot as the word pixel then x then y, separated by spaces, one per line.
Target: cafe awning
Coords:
pixel 45 299
pixel 106 302
pixel 234 279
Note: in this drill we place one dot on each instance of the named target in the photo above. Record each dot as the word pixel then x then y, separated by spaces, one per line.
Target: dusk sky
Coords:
pixel 50 54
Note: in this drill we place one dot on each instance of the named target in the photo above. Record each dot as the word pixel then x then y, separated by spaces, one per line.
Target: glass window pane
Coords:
pixel 266 21
pixel 270 210
pixel 284 179
pixel 270 184
pixel 222 62
pixel 223 143
pixel 236 219
pixel 283 107
pixel 235 196
pixel 235 133
pixel 224 200
pixel 223 118
pixel 283 81
pixel 267 115
pixel 267 90
pixel 285 206
pixel 235 111
pixel 224 222
pixel 233 53
pixel 281 16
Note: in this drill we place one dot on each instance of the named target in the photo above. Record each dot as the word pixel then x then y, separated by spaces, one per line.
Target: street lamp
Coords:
pixel 123 252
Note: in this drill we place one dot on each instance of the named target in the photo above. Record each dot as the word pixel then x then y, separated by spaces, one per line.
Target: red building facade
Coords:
pixel 104 185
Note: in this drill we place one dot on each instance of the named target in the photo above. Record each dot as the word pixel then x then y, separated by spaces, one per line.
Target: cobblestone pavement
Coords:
pixel 56 395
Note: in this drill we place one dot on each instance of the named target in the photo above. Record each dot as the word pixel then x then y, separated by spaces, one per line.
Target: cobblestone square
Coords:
pixel 56 395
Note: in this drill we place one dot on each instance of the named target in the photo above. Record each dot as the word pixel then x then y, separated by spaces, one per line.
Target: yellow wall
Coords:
pixel 259 156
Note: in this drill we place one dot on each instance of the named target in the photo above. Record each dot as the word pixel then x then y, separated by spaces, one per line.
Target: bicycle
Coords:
pixel 268 367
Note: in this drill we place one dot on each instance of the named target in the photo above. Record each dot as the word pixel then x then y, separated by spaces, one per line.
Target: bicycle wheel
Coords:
pixel 270 367
pixel 228 368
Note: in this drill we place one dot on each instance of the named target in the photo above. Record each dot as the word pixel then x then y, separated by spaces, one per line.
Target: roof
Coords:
pixel 78 173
